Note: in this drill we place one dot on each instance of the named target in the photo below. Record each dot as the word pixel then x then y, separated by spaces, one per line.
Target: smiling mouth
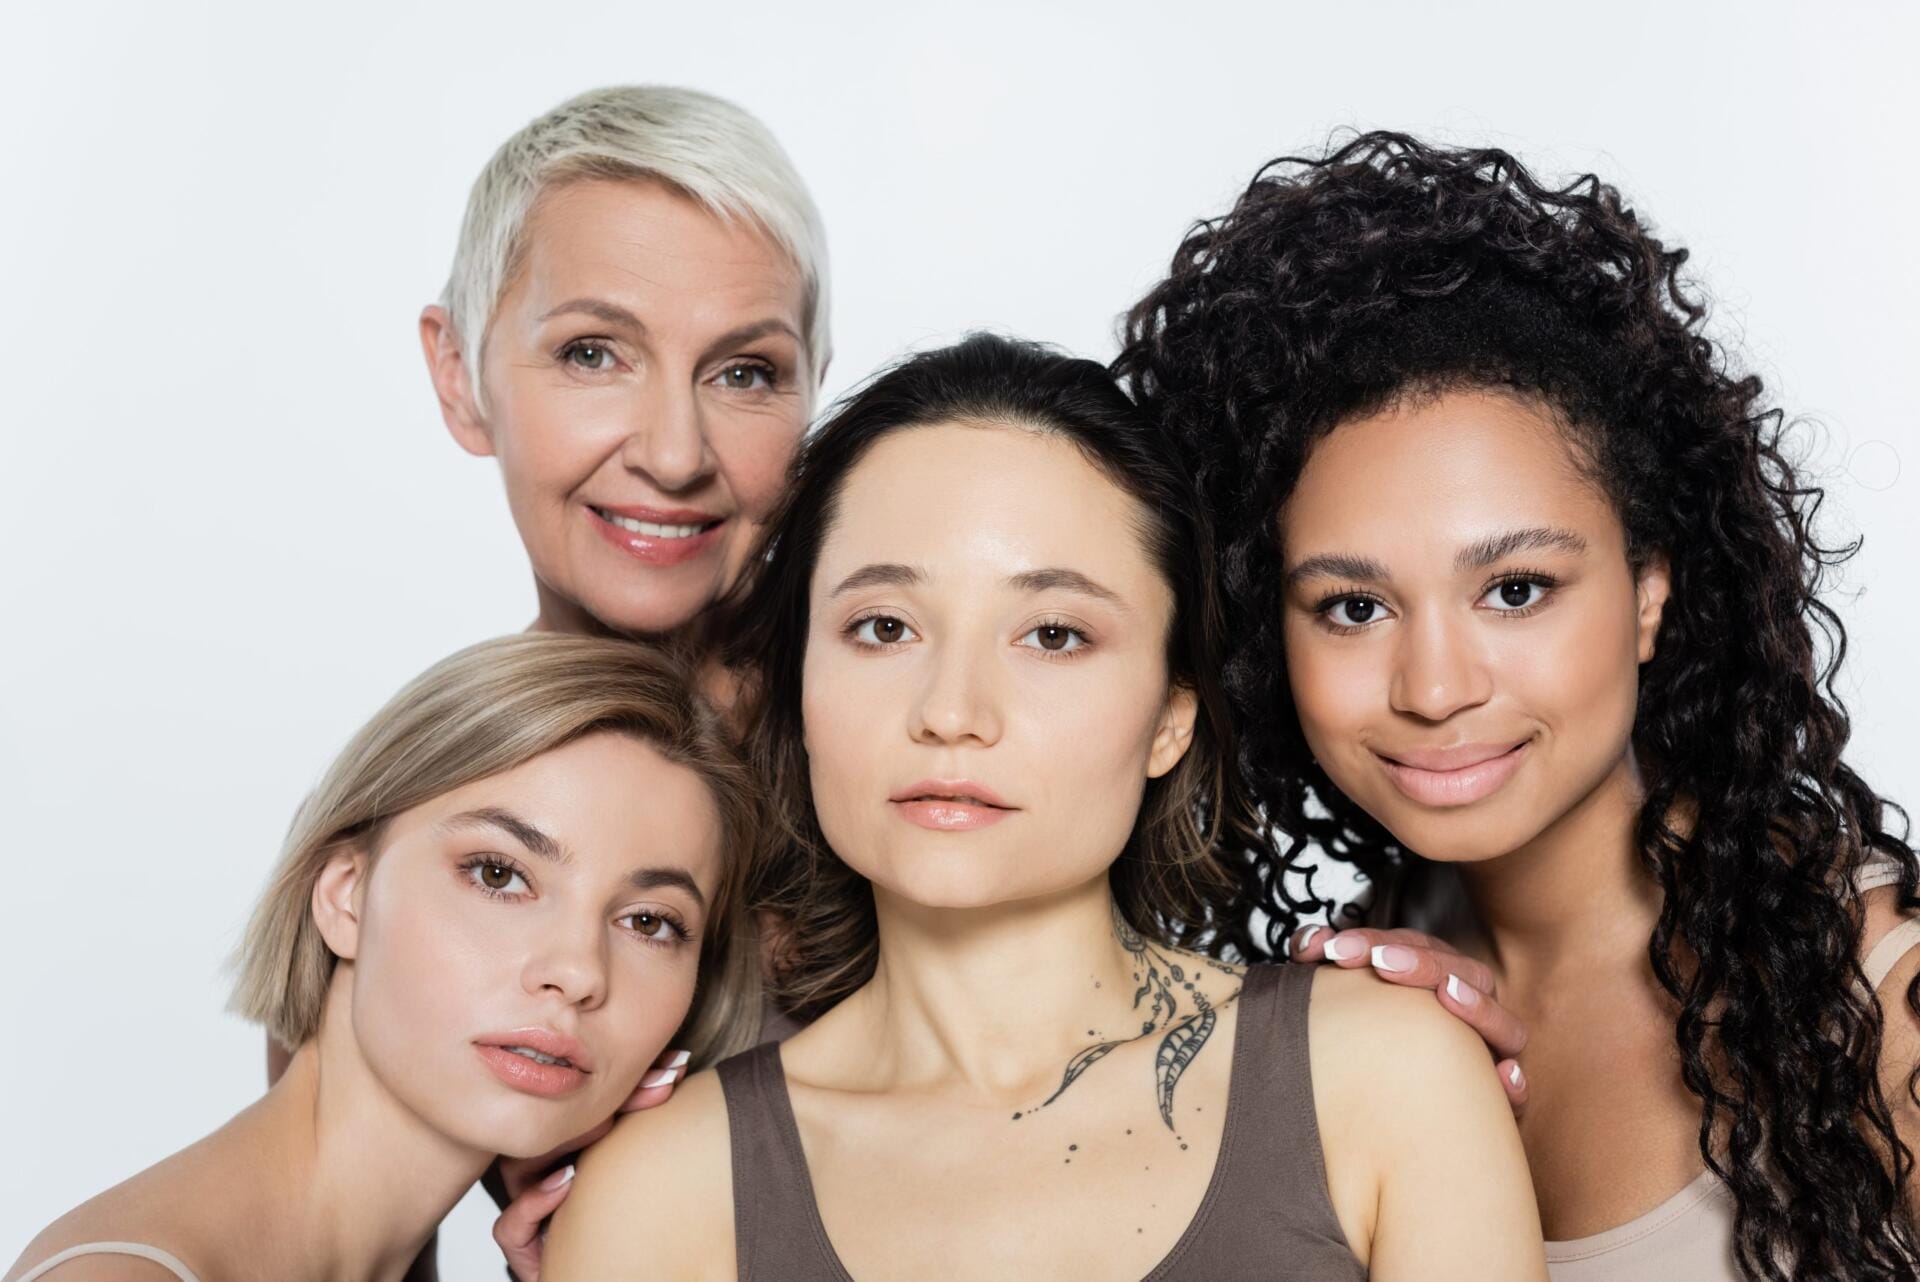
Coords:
pixel 653 529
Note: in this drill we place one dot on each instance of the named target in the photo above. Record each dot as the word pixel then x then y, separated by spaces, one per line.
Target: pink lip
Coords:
pixel 528 1075
pixel 1457 776
pixel 651 548
pixel 950 805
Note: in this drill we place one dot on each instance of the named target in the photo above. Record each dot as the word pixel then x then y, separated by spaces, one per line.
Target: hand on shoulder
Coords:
pixel 653 1198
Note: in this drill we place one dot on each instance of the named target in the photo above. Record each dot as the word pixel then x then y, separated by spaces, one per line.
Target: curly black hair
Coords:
pixel 1338 283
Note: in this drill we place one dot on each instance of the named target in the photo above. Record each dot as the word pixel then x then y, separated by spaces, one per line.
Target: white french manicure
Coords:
pixel 1513 1075
pixel 1340 948
pixel 1464 993
pixel 680 1059
pixel 1306 938
pixel 1392 959
pixel 557 1179
pixel 660 1077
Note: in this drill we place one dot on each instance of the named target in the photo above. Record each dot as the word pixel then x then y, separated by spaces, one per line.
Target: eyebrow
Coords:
pixel 649 878
pixel 1475 556
pixel 749 333
pixel 611 313
pixel 1065 579
pixel 888 574
pixel 1540 538
pixel 892 574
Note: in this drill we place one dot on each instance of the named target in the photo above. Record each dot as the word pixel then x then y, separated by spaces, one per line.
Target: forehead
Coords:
pixel 1437 472
pixel 611 800
pixel 638 239
pixel 984 499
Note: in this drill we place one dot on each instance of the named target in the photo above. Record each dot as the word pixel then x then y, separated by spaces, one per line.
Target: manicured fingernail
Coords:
pixel 557 1179
pixel 1464 993
pixel 680 1059
pixel 1514 1076
pixel 661 1077
pixel 1305 938
pixel 1393 959
pixel 1340 948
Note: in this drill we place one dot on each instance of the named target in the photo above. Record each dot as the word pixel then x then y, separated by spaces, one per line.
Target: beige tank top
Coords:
pixel 138 1249
pixel 1690 1235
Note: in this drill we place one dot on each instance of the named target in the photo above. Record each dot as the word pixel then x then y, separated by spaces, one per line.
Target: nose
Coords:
pixel 1439 670
pixel 569 963
pixel 959 702
pixel 667 439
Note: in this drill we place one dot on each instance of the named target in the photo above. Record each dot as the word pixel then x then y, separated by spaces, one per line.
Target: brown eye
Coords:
pixel 493 876
pixel 1055 638
pixel 882 629
pixel 1354 611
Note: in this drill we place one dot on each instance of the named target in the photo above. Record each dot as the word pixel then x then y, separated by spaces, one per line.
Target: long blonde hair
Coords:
pixel 489 708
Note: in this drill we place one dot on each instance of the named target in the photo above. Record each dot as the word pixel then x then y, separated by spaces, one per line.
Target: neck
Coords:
pixel 994 1001
pixel 1575 901
pixel 359 1181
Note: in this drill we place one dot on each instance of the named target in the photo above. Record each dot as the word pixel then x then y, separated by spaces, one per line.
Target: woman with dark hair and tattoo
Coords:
pixel 986 657
pixel 1523 593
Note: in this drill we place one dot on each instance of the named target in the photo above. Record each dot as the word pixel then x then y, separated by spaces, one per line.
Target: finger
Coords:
pixel 1426 966
pixel 1514 1082
pixel 657 1086
pixel 1499 1027
pixel 522 1173
pixel 517 1231
pixel 1308 943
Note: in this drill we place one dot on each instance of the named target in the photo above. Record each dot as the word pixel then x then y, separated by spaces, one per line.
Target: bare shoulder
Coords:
pixel 1389 1059
pixel 1374 1029
pixel 147 1209
pixel 657 1191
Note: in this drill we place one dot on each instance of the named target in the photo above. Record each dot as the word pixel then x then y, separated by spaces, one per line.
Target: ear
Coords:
pixel 452 381
pixel 337 899
pixel 1174 735
pixel 1651 591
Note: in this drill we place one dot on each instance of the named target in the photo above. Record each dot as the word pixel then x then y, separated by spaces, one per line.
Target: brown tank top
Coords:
pixel 1266 1213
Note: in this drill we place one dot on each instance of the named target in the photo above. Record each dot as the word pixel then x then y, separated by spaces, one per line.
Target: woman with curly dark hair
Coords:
pixel 1523 592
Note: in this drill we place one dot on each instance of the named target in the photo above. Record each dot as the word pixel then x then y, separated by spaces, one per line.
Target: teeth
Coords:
pixel 651 529
pixel 527 1052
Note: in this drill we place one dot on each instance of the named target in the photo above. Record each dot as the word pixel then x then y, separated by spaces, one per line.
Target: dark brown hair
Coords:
pixel 1169 882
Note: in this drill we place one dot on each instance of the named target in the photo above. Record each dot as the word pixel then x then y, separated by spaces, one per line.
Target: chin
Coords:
pixel 1464 838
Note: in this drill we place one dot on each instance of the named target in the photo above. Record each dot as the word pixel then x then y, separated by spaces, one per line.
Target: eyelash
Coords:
pixel 1545 582
pixel 766 368
pixel 676 927
pixel 852 633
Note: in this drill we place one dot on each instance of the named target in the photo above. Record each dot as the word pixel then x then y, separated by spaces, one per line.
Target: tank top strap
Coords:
pixel 139 1250
pixel 1886 954
pixel 1268 1203
pixel 773 1206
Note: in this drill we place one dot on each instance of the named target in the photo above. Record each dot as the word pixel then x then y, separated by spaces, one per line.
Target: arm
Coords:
pixel 654 1199
pixel 1423 1161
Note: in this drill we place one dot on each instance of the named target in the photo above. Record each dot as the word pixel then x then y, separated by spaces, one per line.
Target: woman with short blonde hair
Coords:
pixel 486 922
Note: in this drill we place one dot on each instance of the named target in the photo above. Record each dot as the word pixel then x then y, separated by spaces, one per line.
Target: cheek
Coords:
pixel 1335 689
pixel 548 443
pixel 754 463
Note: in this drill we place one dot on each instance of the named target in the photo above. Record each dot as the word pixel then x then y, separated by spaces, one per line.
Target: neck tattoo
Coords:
pixel 1171 1007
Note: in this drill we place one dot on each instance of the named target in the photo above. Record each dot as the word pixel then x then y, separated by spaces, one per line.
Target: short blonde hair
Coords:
pixel 489 708
pixel 705 146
